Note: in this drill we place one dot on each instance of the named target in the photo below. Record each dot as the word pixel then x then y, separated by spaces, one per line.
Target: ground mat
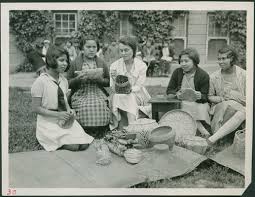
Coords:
pixel 65 169
pixel 230 160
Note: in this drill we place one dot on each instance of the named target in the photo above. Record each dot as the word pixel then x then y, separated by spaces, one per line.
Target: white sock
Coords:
pixel 232 124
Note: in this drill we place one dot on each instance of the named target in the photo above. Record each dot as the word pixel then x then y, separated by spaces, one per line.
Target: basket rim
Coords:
pixel 161 121
pixel 122 84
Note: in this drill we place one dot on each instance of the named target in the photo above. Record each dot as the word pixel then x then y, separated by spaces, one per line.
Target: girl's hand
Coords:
pixel 82 75
pixel 113 74
pixel 64 115
pixel 198 95
pixel 72 112
pixel 178 94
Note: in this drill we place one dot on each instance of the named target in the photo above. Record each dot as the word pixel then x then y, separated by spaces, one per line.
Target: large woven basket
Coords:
pixel 122 85
pixel 181 122
pixel 238 147
pixel 142 127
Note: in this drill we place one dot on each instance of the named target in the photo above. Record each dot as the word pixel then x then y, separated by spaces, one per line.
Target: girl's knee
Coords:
pixel 83 146
pixel 240 115
pixel 71 147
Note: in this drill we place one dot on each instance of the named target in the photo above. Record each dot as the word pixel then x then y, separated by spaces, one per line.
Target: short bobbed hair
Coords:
pixel 84 39
pixel 53 53
pixel 192 54
pixel 129 41
pixel 231 53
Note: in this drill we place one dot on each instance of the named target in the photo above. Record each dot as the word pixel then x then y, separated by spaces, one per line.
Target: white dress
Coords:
pixel 138 98
pixel 48 133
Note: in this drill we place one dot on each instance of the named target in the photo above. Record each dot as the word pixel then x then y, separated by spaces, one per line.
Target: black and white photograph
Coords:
pixel 127 98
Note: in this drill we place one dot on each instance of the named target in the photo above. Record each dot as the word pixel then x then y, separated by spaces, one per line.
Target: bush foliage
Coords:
pixel 29 25
pixel 234 22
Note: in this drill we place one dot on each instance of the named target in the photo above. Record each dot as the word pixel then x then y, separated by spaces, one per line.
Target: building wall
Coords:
pixel 15 55
pixel 197 33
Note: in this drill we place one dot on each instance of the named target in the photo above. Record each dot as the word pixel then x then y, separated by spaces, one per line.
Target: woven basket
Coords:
pixel 142 127
pixel 188 94
pixel 238 147
pixel 122 85
pixel 181 122
pixel 162 135
pixel 133 155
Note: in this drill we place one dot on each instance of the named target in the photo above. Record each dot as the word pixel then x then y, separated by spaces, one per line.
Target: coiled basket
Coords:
pixel 122 85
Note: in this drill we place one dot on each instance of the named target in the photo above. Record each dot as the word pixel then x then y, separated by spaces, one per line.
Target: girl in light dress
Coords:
pixel 45 103
pixel 227 95
pixel 126 107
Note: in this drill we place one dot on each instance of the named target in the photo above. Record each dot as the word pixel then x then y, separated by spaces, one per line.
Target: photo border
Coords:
pixel 5 7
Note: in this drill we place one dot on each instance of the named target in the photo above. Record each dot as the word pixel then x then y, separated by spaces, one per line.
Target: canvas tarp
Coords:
pixel 66 169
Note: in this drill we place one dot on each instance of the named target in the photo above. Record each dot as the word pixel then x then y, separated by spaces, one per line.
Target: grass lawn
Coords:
pixel 22 124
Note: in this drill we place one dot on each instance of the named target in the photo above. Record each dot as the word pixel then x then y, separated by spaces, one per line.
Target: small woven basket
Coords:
pixel 122 85
pixel 133 155
pixel 238 147
pixel 142 127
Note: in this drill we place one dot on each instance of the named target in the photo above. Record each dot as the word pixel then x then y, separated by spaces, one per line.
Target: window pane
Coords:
pixel 71 17
pixel 65 30
pixel 65 16
pixel 215 30
pixel 58 30
pixel 179 25
pixel 58 24
pixel 57 16
pixel 71 30
pixel 213 46
pixel 72 24
pixel 65 24
pixel 178 46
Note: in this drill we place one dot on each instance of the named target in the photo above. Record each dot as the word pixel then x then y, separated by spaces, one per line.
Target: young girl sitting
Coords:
pixel 49 101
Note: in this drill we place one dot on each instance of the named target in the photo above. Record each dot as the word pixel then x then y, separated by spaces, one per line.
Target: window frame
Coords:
pixel 209 38
pixel 184 37
pixel 61 33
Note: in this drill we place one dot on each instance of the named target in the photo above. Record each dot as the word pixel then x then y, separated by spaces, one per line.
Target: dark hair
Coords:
pixel 129 41
pixel 84 39
pixel 231 52
pixel 53 53
pixel 192 54
pixel 150 40
pixel 70 41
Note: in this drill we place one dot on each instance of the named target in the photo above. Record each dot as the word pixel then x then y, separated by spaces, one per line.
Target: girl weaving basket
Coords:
pixel 126 107
pixel 56 127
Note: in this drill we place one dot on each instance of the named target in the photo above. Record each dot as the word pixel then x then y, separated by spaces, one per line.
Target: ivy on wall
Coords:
pixel 104 25
pixel 29 25
pixel 234 22
pixel 155 24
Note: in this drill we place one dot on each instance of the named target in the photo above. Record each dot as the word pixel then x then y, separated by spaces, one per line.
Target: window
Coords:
pixel 216 38
pixel 179 34
pixel 65 23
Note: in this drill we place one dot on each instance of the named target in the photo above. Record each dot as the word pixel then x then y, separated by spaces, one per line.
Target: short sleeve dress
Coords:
pixel 48 133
